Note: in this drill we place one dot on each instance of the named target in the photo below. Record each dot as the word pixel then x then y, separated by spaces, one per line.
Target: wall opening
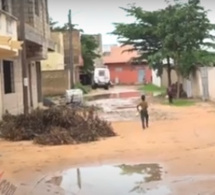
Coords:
pixel 36 7
pixel 8 69
pixel 4 5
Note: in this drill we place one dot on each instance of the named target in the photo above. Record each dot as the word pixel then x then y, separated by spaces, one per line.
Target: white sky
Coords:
pixel 94 16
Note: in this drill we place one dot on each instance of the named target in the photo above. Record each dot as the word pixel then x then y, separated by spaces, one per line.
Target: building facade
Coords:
pixel 76 48
pixel 55 59
pixel 37 41
pixel 123 70
pixel 10 70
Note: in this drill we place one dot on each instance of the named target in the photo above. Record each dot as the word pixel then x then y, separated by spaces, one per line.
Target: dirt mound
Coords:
pixel 55 126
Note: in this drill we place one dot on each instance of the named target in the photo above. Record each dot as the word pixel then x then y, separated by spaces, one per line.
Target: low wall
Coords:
pixel 55 82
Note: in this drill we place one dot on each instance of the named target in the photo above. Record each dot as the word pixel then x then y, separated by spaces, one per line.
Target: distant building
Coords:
pixel 122 68
pixel 55 60
pixel 77 57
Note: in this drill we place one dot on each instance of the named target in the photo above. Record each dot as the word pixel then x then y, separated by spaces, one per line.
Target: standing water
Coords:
pixel 109 180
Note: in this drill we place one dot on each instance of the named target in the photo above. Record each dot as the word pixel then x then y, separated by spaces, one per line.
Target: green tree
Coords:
pixel 179 31
pixel 144 36
pixel 52 24
pixel 88 47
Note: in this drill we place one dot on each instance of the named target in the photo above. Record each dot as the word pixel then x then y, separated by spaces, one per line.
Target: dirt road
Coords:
pixel 183 145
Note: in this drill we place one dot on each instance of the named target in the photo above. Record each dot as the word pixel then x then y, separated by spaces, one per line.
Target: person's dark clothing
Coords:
pixel 144 118
pixel 170 95
pixel 144 113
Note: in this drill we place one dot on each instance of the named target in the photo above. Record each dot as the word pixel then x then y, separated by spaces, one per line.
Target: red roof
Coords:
pixel 119 55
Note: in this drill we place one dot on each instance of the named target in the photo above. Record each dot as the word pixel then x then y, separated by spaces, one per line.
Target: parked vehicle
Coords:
pixel 101 78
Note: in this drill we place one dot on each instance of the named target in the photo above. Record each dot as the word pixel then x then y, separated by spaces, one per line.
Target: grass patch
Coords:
pixel 152 88
pixel 181 102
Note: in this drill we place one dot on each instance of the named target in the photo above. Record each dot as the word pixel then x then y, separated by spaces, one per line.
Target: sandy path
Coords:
pixel 184 146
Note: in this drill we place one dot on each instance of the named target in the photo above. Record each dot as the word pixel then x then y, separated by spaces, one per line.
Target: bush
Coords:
pixel 86 89
pixel 55 126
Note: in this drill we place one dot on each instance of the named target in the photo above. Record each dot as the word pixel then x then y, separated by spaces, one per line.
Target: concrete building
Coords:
pixel 122 68
pixel 55 59
pixel 37 37
pixel 76 47
pixel 10 69
pixel 38 42
pixel 55 78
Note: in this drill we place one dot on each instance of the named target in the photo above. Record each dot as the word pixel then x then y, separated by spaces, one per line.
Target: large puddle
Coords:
pixel 147 179
pixel 108 180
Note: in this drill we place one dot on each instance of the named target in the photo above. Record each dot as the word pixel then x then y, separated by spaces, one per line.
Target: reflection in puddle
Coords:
pixel 128 94
pixel 112 180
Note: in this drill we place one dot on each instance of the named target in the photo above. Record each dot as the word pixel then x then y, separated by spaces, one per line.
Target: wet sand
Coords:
pixel 184 147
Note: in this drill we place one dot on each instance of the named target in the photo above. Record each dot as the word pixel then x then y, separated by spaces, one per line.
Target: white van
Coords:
pixel 101 78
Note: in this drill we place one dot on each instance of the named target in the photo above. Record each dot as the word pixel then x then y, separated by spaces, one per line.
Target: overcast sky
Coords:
pixel 97 16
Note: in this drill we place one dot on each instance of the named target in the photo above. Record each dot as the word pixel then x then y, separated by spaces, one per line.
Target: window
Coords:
pixel 9 26
pixel 118 69
pixel 101 73
pixel 4 5
pixel 8 70
pixel 36 7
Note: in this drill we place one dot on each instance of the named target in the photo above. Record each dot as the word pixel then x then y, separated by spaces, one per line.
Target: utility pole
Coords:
pixel 71 64
pixel 23 55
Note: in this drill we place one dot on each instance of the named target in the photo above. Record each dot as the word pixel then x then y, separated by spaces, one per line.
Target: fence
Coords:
pixel 199 85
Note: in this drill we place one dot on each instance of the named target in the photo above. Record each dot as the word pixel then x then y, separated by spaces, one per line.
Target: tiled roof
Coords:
pixel 118 56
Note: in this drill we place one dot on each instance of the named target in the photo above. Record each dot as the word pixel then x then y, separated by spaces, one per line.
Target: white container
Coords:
pixel 74 95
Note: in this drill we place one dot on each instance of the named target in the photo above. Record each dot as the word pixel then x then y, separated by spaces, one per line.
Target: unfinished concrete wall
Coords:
pixel 211 83
pixel 55 82
pixel 164 78
pixel 55 60
pixel 76 46
pixel 37 26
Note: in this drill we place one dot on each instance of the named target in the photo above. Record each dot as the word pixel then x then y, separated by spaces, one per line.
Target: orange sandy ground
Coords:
pixel 185 146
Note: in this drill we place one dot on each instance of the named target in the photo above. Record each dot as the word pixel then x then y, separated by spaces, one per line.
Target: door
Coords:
pixel 141 76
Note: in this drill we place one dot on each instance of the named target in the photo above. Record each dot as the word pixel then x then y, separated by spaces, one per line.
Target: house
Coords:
pixel 37 42
pixel 55 77
pixel 55 59
pixel 10 69
pixel 123 70
pixel 76 47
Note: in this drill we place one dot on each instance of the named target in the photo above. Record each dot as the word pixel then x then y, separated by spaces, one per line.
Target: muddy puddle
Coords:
pixel 114 95
pixel 107 180
pixel 121 106
pixel 147 179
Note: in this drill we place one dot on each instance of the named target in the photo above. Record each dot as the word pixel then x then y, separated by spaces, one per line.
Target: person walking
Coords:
pixel 142 108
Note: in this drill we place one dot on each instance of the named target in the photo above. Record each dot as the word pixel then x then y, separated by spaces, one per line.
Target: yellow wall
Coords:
pixel 55 60
pixel 8 27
